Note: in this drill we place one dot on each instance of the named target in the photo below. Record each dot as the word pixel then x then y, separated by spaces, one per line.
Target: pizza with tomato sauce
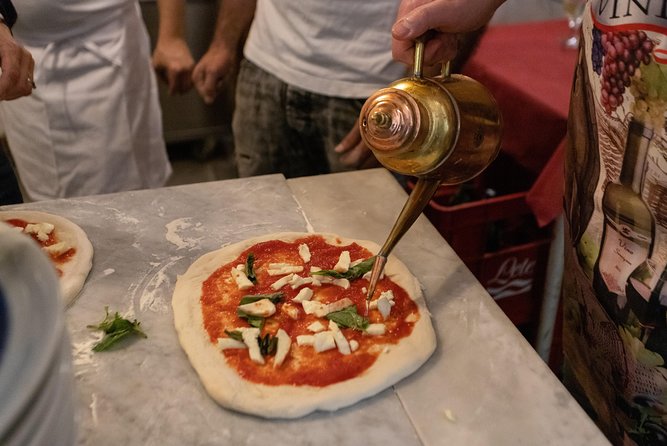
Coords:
pixel 278 326
pixel 64 242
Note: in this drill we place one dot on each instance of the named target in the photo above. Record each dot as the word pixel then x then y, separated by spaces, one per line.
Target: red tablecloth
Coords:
pixel 530 75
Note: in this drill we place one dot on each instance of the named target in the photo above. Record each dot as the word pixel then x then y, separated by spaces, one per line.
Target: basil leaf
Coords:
pixel 236 335
pixel 250 298
pixel 267 344
pixel 254 321
pixel 115 328
pixel 353 273
pixel 349 318
pixel 249 271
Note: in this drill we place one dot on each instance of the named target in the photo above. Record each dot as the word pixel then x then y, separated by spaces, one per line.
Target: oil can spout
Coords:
pixel 420 196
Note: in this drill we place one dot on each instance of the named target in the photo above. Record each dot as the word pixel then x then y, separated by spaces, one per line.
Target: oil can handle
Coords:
pixel 419 57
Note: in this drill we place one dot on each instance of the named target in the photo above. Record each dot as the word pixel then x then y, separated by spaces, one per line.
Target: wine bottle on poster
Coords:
pixel 647 298
pixel 629 226
pixel 643 294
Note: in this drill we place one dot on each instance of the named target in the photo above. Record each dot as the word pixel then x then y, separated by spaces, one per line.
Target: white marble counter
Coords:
pixel 483 386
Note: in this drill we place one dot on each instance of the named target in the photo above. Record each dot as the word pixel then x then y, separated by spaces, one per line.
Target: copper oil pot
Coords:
pixel 443 130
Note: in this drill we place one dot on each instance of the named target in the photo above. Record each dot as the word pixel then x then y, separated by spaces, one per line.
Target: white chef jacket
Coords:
pixel 93 125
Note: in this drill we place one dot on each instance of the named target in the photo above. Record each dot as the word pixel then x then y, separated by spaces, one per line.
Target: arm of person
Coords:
pixel 16 62
pixel 354 152
pixel 172 59
pixel 444 18
pixel 220 61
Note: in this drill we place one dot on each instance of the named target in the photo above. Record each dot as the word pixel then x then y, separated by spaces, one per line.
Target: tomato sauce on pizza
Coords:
pixel 220 298
pixel 58 257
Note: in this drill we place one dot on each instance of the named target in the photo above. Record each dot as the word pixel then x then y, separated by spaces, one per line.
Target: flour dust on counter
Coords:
pixel 277 325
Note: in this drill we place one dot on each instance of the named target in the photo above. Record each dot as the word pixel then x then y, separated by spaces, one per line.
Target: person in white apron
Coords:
pixel 93 125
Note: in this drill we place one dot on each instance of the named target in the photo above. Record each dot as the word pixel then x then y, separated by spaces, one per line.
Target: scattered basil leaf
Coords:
pixel 267 344
pixel 250 298
pixel 249 265
pixel 353 273
pixel 349 318
pixel 115 328
pixel 235 334
pixel 254 321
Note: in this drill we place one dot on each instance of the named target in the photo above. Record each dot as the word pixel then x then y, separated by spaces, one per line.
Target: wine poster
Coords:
pixel 615 298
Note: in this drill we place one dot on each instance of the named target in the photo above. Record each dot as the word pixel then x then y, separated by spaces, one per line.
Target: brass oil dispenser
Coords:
pixel 442 130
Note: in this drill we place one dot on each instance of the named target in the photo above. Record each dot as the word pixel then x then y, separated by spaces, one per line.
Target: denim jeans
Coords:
pixel 279 128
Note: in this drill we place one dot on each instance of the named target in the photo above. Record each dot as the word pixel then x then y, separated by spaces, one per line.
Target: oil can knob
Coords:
pixel 391 121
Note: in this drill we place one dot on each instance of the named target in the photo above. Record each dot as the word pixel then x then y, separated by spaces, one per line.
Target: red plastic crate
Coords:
pixel 513 271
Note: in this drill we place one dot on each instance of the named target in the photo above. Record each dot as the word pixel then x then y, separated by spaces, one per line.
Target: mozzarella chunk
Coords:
pixel 341 343
pixel 262 308
pixel 412 317
pixel 354 345
pixel 305 340
pixel 387 298
pixel 278 284
pixel 278 269
pixel 324 341
pixel 242 281
pixel 316 327
pixel 296 281
pixel 304 294
pixel 343 283
pixel 41 230
pixel 389 295
pixel 356 262
pixel 314 269
pixel 320 310
pixel 339 305
pixel 57 248
pixel 324 279
pixel 228 343
pixel 250 336
pixel 313 307
pixel 343 262
pixel 339 338
pixel 284 344
pixel 375 329
pixel 384 307
pixel 304 252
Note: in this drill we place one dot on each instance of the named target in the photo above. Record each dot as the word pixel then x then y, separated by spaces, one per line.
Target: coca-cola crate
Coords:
pixel 498 239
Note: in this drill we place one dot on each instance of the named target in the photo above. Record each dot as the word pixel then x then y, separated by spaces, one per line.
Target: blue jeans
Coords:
pixel 279 128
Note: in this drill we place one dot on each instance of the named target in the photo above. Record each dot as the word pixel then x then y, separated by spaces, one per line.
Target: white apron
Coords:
pixel 93 125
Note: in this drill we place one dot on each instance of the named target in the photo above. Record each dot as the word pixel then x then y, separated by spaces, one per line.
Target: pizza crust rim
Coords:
pixel 285 401
pixel 74 272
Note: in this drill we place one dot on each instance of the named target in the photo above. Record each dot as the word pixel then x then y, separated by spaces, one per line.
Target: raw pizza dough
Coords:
pixel 230 390
pixel 73 273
